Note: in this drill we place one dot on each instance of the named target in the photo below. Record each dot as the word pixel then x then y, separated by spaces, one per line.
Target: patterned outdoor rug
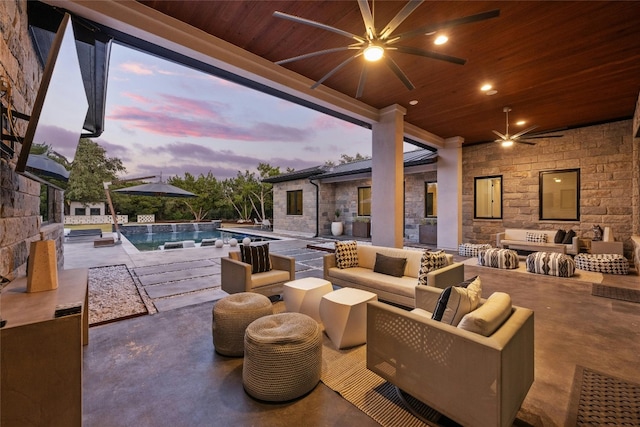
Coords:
pixel 614 292
pixel 113 295
pixel 598 399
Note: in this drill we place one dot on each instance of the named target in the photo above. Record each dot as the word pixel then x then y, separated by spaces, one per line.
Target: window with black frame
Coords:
pixel 560 195
pixel 487 197
pixel 294 202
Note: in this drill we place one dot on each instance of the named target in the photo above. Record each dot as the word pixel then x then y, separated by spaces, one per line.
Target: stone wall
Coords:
pixel 20 196
pixel 603 153
pixel 304 224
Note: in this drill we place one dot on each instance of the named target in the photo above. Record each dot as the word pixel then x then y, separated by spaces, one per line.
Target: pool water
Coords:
pixel 152 241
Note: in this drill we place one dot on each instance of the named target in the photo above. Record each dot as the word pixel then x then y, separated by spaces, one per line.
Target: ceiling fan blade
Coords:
pixel 312 54
pixel 520 141
pixel 447 24
pixel 318 25
pixel 504 137
pixel 398 72
pixel 519 134
pixel 429 54
pixel 336 69
pixel 401 16
pixel 367 17
pixel 363 78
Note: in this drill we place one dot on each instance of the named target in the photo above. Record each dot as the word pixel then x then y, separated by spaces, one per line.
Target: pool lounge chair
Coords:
pixel 266 224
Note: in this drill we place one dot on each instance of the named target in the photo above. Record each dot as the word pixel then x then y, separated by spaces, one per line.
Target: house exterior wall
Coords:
pixel 414 202
pixel 305 224
pixel 19 196
pixel 603 153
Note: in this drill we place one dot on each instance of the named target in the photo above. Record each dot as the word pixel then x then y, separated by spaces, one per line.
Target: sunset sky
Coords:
pixel 165 118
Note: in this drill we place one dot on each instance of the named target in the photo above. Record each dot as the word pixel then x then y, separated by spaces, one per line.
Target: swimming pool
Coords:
pixel 152 241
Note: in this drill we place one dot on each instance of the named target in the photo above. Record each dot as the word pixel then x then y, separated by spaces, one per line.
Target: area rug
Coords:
pixel 598 399
pixel 614 292
pixel 345 372
pixel 113 295
pixel 579 275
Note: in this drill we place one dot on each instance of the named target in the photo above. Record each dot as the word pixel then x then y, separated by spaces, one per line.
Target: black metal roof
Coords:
pixel 410 158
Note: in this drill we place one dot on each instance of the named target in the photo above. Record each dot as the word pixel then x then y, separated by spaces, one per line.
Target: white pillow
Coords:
pixel 487 318
pixel 456 301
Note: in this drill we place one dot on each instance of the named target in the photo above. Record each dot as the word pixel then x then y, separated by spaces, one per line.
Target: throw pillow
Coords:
pixel 536 237
pixel 456 301
pixel 347 254
pixel 430 261
pixel 559 236
pixel 487 318
pixel 257 256
pixel 388 265
pixel 568 238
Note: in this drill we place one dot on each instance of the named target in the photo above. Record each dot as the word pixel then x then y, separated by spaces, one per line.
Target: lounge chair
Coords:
pixel 257 223
pixel 266 224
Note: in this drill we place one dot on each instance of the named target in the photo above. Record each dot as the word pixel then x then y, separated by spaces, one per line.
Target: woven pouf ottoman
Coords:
pixel 551 264
pixel 282 357
pixel 603 263
pixel 498 258
pixel 472 249
pixel 231 316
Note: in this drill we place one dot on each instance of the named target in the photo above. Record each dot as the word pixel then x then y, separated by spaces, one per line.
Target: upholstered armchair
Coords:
pixel 473 379
pixel 236 275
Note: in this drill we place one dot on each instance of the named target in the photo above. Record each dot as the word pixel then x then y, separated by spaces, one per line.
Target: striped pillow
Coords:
pixel 536 237
pixel 257 256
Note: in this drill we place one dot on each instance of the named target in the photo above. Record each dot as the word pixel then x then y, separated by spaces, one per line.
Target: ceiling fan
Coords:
pixel 507 140
pixel 375 45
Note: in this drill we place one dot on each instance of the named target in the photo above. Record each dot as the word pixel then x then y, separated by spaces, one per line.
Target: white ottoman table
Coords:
pixel 303 295
pixel 344 314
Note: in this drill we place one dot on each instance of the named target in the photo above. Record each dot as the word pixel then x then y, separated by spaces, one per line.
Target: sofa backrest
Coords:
pixel 521 234
pixel 367 257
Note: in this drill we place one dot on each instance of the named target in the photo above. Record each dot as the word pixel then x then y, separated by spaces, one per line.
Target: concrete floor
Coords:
pixel 162 370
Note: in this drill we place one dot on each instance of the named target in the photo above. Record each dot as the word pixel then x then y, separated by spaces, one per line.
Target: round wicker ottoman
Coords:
pixel 231 316
pixel 551 264
pixel 282 357
pixel 472 249
pixel 498 258
pixel 603 263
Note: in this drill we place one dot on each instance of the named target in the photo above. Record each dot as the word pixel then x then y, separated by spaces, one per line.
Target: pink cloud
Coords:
pixel 136 68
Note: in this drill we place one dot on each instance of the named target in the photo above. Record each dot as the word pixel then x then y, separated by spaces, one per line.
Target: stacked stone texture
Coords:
pixel 20 196
pixel 606 158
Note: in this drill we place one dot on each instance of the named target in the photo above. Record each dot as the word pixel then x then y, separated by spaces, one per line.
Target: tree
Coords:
pixel 237 191
pixel 345 158
pixel 209 191
pixel 263 195
pixel 89 170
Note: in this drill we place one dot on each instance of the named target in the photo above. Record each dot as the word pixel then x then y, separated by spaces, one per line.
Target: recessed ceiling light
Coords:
pixel 441 40
pixel 486 87
pixel 520 122
pixel 413 102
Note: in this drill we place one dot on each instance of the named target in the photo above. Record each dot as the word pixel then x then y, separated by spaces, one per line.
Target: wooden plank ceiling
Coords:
pixel 556 64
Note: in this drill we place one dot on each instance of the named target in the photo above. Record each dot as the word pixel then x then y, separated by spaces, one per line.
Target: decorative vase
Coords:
pixel 337 228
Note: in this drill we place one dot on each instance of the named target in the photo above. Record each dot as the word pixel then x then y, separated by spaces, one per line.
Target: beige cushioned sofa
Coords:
pixel 516 238
pixel 398 290
pixel 477 375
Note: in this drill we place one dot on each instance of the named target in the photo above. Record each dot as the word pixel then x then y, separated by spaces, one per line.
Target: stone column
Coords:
pixel 387 175
pixel 450 194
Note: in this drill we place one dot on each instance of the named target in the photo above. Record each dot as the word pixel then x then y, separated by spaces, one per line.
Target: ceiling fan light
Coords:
pixel 373 52
pixel 507 143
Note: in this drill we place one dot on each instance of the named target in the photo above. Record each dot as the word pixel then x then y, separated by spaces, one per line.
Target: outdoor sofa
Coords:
pixel 476 372
pixel 398 290
pixel 536 241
